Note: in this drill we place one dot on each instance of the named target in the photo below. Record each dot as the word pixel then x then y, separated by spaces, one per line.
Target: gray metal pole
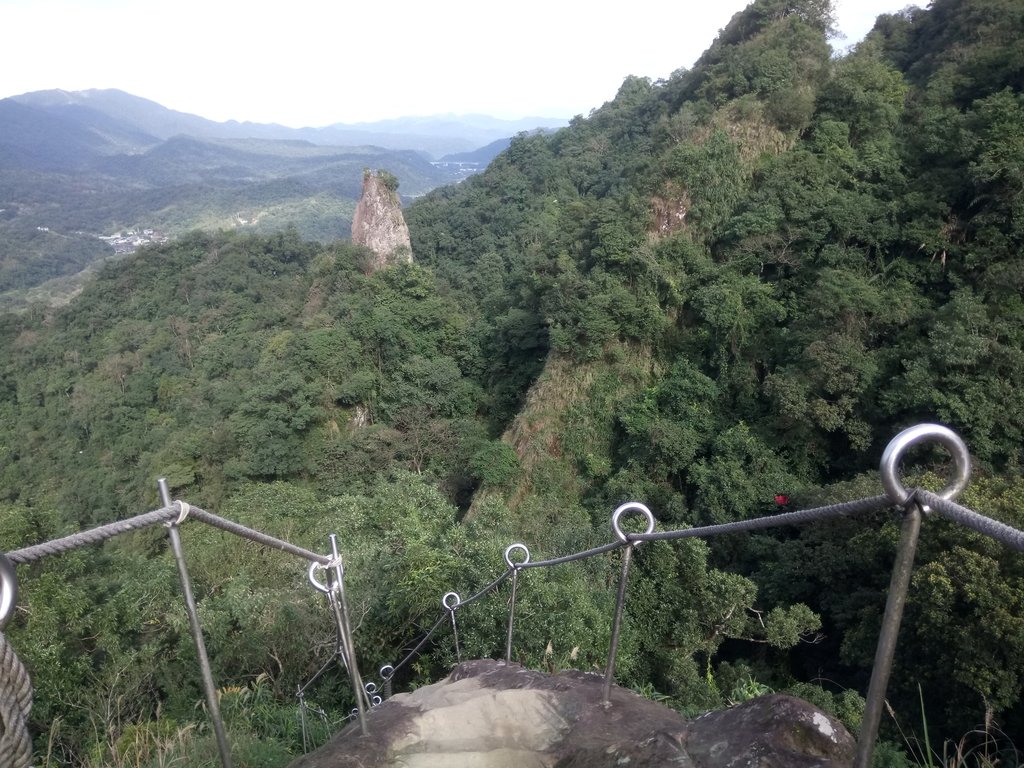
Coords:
pixel 898 585
pixel 336 581
pixel 613 647
pixel 209 687
pixel 511 617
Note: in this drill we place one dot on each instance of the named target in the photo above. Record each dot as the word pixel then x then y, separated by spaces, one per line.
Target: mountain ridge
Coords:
pixel 436 135
pixel 720 295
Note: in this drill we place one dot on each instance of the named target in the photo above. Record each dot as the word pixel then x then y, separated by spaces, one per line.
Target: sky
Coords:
pixel 313 63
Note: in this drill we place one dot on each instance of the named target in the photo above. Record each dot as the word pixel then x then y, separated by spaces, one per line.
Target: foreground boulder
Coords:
pixel 488 714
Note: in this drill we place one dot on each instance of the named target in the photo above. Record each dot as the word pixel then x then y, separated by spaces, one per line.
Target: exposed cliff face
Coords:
pixel 567 397
pixel 378 222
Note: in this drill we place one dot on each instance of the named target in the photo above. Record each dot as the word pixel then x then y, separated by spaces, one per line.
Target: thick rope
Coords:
pixel 92 536
pixel 163 515
pixel 256 536
pixel 15 705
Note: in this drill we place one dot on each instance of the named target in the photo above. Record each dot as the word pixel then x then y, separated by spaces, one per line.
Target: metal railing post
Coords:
pixel 339 605
pixel 904 564
pixel 209 688
pixel 613 645
pixel 620 603
pixel 898 585
pixel 514 567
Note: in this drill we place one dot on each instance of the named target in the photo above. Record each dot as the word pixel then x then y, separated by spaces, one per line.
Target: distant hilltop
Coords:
pixel 435 136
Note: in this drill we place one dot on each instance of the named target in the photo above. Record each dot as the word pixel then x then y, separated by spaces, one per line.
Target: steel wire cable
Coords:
pixel 416 649
pixel 178 511
pixel 445 614
pixel 577 556
pixel 1004 534
pixel 257 536
pixel 486 590
pixel 844 509
pixel 999 531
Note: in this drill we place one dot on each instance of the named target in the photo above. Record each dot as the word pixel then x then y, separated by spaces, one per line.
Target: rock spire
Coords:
pixel 378 223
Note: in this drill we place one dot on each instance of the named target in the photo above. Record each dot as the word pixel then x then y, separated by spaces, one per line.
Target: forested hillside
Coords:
pixel 730 286
pixel 750 277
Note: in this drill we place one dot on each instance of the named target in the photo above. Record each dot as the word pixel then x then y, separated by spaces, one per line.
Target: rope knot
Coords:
pixel 183 509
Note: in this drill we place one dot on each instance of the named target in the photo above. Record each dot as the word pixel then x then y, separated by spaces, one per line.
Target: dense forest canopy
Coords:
pixel 731 285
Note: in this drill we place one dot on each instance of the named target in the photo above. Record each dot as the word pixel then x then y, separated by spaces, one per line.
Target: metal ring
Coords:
pixel 8 590
pixel 510 549
pixel 376 701
pixel 893 454
pixel 370 687
pixel 387 672
pixel 444 600
pixel 631 506
pixel 313 568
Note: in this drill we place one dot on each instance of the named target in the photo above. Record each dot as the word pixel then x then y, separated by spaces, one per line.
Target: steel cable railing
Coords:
pixel 15 742
pixel 166 514
pixel 913 502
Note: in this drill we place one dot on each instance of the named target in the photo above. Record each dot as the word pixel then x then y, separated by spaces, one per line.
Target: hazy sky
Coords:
pixel 311 62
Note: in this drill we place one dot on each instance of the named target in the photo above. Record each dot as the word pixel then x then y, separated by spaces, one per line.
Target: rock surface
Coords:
pixel 378 222
pixel 489 714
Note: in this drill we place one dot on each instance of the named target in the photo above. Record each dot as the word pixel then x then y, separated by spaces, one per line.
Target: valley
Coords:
pixel 720 294
pixel 74 167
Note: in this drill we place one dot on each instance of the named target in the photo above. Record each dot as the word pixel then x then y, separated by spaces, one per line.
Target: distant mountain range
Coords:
pixel 136 119
pixel 78 166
